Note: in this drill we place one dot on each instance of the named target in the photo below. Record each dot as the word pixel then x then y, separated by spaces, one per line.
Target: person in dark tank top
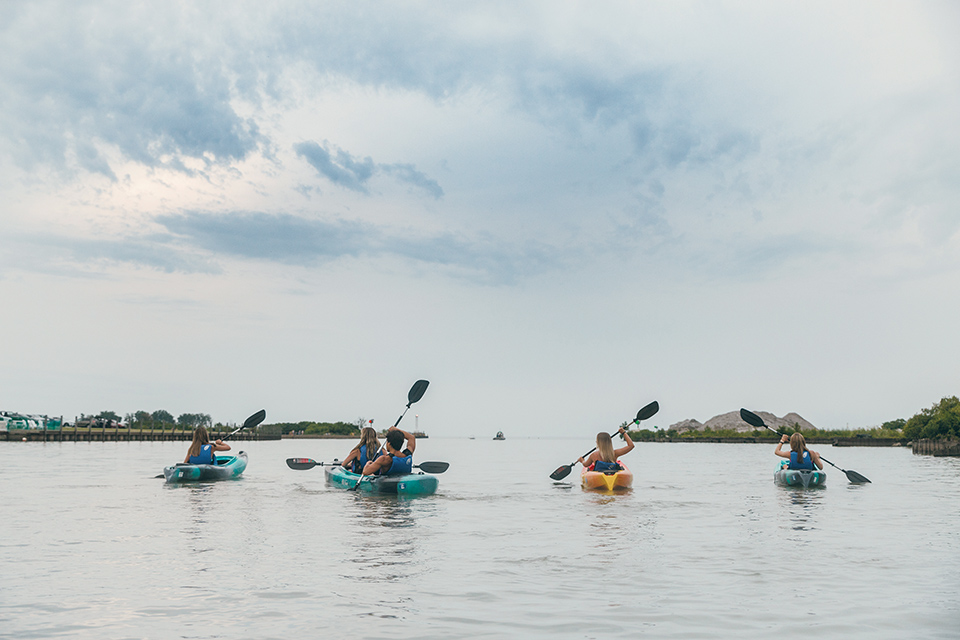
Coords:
pixel 398 458
pixel 799 457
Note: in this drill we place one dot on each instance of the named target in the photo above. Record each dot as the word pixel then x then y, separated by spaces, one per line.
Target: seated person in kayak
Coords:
pixel 799 456
pixel 605 457
pixel 201 450
pixel 364 452
pixel 398 458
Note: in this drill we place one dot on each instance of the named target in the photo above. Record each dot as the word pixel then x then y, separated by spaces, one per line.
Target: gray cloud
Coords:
pixel 343 169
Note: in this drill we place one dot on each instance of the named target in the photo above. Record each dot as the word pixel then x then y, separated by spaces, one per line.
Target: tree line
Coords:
pixel 152 419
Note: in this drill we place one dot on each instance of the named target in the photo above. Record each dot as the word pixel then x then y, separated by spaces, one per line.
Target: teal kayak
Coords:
pixel 408 484
pixel 806 478
pixel 225 468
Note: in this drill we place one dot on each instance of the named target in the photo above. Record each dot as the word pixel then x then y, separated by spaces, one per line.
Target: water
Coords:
pixel 705 546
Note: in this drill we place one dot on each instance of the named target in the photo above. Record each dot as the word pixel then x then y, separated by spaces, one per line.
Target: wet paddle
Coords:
pixel 416 392
pixel 249 423
pixel 302 464
pixel 754 420
pixel 647 412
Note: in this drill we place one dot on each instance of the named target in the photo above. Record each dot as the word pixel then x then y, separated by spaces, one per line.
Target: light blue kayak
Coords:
pixel 805 478
pixel 408 484
pixel 226 467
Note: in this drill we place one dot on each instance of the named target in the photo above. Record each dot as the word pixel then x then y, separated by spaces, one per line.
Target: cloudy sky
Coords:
pixel 554 211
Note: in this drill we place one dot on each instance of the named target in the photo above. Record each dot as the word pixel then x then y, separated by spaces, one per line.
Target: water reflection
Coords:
pixel 384 545
pixel 802 505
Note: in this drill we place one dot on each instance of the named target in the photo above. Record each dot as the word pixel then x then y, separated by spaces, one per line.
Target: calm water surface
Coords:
pixel 705 546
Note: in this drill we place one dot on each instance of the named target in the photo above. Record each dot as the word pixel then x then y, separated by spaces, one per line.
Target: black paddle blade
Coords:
pixel 856 478
pixel 417 391
pixel 255 419
pixel 751 418
pixel 301 464
pixel 434 467
pixel 561 472
pixel 648 411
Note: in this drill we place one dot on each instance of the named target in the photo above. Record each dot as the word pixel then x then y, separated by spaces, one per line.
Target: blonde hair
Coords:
pixel 605 447
pixel 798 444
pixel 200 438
pixel 368 436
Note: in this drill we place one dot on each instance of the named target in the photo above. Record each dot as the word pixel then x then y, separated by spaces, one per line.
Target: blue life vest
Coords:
pixel 400 466
pixel 601 466
pixel 806 463
pixel 205 457
pixel 361 462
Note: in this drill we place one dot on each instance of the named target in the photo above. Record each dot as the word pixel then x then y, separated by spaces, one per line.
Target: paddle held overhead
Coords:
pixel 647 412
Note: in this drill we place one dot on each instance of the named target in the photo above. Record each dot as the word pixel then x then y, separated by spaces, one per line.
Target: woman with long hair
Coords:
pixel 605 457
pixel 202 450
pixel 799 456
pixel 365 451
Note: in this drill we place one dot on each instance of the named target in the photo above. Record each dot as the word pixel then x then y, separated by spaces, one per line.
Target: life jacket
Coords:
pixel 602 466
pixel 399 466
pixel 806 463
pixel 360 462
pixel 205 457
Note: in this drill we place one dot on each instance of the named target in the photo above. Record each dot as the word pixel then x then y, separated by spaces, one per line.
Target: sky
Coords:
pixel 556 212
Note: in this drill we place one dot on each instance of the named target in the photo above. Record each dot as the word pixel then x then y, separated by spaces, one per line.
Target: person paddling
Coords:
pixel 799 456
pixel 201 449
pixel 364 452
pixel 605 457
pixel 398 458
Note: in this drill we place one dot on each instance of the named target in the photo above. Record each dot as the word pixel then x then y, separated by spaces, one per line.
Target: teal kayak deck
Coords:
pixel 805 478
pixel 227 467
pixel 409 484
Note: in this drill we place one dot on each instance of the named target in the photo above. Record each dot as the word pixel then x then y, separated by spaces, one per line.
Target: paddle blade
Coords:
pixel 561 472
pixel 648 411
pixel 301 464
pixel 417 391
pixel 434 467
pixel 751 418
pixel 856 478
pixel 255 419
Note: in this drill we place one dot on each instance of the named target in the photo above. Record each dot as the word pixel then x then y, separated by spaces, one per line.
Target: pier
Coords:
pixel 120 434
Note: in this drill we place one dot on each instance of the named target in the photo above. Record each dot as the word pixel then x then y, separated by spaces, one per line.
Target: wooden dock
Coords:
pixel 98 434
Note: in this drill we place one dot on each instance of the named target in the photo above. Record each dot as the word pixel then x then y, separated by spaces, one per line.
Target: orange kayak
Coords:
pixel 607 481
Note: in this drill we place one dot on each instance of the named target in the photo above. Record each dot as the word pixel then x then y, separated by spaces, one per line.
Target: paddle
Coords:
pixel 416 392
pixel 647 412
pixel 249 423
pixel 302 464
pixel 753 419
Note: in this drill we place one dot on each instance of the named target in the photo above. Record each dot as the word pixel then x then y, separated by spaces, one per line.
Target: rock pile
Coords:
pixel 733 421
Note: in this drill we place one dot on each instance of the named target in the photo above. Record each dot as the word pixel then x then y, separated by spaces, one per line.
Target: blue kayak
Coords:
pixel 407 484
pixel 225 468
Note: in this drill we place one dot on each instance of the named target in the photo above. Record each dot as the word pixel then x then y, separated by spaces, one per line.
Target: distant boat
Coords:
pixel 420 434
pixel 499 436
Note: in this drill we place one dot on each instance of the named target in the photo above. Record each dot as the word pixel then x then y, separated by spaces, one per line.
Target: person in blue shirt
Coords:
pixel 799 456
pixel 398 458
pixel 364 452
pixel 202 450
pixel 605 457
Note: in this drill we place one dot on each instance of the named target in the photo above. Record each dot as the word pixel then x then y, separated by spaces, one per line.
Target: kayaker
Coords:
pixel 364 452
pixel 799 456
pixel 398 458
pixel 201 450
pixel 605 457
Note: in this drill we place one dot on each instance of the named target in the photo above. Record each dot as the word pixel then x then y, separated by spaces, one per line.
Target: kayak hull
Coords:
pixel 227 467
pixel 609 481
pixel 803 478
pixel 408 484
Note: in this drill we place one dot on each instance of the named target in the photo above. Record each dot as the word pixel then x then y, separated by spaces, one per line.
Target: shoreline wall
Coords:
pixel 949 447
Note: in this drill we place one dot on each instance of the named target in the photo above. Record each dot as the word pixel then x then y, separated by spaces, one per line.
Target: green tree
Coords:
pixel 939 421
pixel 162 417
pixel 894 424
pixel 109 415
